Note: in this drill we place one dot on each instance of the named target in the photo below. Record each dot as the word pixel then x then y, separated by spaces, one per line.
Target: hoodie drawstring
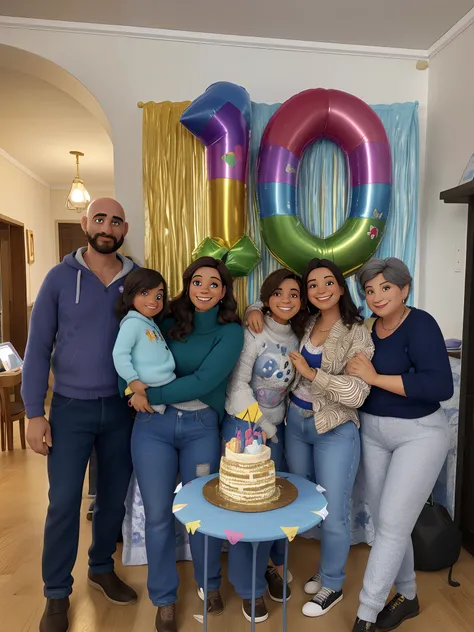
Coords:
pixel 78 286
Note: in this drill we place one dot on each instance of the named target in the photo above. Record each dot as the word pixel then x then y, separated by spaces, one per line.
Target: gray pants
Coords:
pixel 401 459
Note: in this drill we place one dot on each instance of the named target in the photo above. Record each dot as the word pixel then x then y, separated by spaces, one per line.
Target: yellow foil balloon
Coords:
pixel 227 206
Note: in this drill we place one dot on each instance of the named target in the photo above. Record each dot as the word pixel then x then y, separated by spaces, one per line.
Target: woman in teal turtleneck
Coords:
pixel 205 338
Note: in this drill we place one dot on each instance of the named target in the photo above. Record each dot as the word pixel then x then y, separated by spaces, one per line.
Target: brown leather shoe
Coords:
pixel 166 619
pixel 215 605
pixel 261 612
pixel 113 588
pixel 54 617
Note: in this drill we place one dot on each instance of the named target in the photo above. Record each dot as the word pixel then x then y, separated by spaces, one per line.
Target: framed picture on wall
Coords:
pixel 30 246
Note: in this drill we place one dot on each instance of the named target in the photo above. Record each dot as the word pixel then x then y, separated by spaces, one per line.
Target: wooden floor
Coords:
pixel 23 497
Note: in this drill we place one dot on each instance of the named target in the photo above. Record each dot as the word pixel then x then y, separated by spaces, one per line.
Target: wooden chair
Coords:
pixel 11 411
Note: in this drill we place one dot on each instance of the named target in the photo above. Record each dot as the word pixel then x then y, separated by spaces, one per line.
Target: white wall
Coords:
pixel 450 144
pixel 27 201
pixel 120 71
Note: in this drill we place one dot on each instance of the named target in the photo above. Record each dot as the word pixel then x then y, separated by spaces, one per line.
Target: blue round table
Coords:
pixel 197 514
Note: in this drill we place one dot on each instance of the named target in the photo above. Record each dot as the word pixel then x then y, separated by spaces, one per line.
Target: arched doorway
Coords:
pixel 45 112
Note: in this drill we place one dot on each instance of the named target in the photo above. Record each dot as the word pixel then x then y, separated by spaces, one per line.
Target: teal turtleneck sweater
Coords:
pixel 204 362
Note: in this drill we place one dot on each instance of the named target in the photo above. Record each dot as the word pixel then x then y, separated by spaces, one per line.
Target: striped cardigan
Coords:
pixel 337 396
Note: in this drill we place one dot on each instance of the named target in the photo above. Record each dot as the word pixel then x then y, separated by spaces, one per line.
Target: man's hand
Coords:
pixel 38 435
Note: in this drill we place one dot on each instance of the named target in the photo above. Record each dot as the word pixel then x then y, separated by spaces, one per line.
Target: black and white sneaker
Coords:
pixel 322 602
pixel 313 585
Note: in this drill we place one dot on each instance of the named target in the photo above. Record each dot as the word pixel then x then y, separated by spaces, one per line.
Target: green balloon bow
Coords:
pixel 240 260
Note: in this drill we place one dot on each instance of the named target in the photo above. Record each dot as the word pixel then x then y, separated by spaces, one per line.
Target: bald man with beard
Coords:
pixel 73 324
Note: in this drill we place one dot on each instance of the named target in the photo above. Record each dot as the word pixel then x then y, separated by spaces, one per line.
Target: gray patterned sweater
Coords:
pixel 264 374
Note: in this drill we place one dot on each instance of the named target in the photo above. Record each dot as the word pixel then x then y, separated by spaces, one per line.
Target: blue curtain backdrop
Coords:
pixel 322 205
pixel 322 190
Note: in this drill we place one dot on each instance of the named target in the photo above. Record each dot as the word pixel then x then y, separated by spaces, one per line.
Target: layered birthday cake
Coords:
pixel 248 477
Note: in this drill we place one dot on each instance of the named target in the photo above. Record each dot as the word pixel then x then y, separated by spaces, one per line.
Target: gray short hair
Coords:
pixel 393 270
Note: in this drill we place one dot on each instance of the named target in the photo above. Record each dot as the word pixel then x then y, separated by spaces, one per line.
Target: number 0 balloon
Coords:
pixel 355 127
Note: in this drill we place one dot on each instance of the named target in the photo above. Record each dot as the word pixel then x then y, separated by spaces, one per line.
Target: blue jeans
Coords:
pixel 78 426
pixel 240 554
pixel 162 445
pixel 331 460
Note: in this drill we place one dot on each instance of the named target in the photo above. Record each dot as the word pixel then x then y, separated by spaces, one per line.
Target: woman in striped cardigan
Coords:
pixel 322 432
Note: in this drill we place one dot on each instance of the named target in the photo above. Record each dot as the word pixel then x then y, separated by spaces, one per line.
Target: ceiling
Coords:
pixel 415 24
pixel 40 124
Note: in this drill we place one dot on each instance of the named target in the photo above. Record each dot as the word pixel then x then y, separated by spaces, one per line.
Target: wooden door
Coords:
pixel 71 237
pixel 14 325
pixel 5 282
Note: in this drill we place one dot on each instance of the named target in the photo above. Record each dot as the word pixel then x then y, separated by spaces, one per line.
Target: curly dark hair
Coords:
pixel 274 281
pixel 136 281
pixel 182 309
pixel 350 314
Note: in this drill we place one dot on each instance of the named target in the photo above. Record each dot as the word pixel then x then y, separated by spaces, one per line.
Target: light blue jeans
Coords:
pixel 240 554
pixel 187 442
pixel 401 460
pixel 330 460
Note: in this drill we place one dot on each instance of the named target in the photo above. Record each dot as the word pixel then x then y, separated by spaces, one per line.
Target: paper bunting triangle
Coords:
pixel 252 413
pixel 290 532
pixel 324 513
pixel 233 536
pixel 177 508
pixel 192 527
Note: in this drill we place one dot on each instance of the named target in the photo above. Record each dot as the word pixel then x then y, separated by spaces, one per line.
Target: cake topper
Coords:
pixel 251 414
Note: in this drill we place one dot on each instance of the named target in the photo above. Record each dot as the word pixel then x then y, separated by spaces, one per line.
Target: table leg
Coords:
pixel 254 580
pixel 206 555
pixel 285 574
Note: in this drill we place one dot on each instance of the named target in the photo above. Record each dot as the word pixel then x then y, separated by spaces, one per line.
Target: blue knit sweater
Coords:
pixel 417 352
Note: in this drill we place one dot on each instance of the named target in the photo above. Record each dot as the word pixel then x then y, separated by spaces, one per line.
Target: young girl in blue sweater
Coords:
pixel 141 356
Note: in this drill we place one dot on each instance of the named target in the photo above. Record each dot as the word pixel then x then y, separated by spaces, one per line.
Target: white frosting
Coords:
pixel 247 478
pixel 245 459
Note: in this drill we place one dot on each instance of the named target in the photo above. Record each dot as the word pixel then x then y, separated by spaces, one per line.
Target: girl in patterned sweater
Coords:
pixel 264 375
pixel 322 432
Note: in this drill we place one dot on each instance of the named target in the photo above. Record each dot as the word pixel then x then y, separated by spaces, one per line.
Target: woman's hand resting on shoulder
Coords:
pixel 302 366
pixel 255 321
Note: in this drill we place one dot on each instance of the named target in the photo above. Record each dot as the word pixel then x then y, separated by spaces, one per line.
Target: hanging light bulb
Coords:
pixel 78 198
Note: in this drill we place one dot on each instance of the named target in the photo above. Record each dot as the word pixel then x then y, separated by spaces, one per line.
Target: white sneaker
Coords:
pixel 313 585
pixel 322 603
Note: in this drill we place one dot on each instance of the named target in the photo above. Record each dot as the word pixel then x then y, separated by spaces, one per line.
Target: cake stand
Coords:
pixel 198 515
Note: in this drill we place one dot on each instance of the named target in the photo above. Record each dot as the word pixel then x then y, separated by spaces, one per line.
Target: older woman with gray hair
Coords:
pixel 404 436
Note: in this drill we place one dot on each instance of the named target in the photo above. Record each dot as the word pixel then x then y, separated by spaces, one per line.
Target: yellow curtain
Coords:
pixel 176 194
